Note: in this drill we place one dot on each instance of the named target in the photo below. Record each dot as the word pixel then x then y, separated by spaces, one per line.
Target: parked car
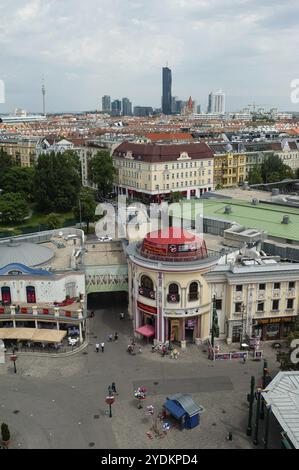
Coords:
pixel 105 239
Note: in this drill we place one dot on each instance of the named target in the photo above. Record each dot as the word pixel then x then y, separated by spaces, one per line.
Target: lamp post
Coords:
pixel 80 212
pixel 257 417
pixel 266 437
pixel 242 325
pixel 250 399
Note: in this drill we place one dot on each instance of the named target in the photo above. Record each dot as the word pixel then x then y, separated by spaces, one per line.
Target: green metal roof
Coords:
pixel 266 217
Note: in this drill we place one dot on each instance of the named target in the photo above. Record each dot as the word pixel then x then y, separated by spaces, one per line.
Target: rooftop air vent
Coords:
pixel 254 202
pixel 227 210
pixel 285 219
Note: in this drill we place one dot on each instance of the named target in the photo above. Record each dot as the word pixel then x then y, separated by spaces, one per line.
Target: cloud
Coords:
pixel 87 49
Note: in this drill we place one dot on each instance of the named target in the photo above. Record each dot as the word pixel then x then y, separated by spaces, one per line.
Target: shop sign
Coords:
pixel 147 308
pixel 275 320
pixel 258 354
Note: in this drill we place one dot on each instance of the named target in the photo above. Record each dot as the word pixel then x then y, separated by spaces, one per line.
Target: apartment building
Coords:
pixel 153 171
pixel 21 149
pixel 229 167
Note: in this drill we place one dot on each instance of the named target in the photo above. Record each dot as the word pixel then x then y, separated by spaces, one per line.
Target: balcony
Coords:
pixel 146 292
pixel 173 298
pixel 73 311
pixel 261 295
pixel 193 296
pixel 291 293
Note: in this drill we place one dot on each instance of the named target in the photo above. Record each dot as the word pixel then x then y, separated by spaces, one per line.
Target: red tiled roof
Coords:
pixel 163 153
pixel 168 136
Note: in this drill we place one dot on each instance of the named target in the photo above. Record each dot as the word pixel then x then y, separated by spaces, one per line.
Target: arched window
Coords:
pixel 31 298
pixel 146 287
pixel 193 291
pixel 173 293
pixel 5 294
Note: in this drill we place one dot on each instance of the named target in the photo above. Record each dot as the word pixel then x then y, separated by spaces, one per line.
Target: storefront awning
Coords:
pixel 146 330
pixel 33 334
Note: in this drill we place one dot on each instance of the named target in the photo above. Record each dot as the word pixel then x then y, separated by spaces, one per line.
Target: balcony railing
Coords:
pixel 146 292
pixel 73 312
pixel 193 296
pixel 173 298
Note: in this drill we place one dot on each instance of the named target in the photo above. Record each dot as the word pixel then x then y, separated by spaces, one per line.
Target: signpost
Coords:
pixel 110 401
pixel 13 358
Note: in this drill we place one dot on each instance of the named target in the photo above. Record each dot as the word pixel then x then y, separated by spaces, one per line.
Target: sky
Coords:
pixel 86 49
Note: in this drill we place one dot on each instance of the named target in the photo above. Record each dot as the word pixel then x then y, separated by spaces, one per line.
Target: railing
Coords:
pixel 173 298
pixel 193 296
pixel 146 292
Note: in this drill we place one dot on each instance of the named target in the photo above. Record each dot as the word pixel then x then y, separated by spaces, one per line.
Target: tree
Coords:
pixel 19 180
pixel 176 196
pixel 5 163
pixel 53 221
pixel 101 172
pixel 273 169
pixel 57 182
pixel 5 432
pixel 86 206
pixel 255 175
pixel 13 207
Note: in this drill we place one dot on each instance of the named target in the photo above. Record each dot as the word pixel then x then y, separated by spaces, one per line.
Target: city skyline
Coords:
pixel 125 57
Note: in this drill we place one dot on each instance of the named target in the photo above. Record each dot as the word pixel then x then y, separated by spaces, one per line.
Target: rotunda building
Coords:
pixel 169 298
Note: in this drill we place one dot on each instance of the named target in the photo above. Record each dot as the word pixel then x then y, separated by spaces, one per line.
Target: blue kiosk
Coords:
pixel 184 409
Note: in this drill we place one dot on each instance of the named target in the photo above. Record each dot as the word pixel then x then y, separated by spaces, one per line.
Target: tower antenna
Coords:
pixel 44 95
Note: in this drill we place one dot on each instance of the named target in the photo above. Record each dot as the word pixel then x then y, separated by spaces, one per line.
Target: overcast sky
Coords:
pixel 85 49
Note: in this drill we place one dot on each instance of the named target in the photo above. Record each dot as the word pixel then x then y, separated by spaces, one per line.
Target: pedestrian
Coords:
pixel 97 347
pixel 244 359
pixel 140 350
pixel 113 386
pixel 122 316
pixel 102 346
pixel 110 337
pixel 115 336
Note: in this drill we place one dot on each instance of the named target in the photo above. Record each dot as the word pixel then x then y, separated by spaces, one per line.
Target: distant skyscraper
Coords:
pixel 173 104
pixel 166 90
pixel 106 104
pixel 142 111
pixel 116 108
pixel 216 103
pixel 127 107
pixel 198 109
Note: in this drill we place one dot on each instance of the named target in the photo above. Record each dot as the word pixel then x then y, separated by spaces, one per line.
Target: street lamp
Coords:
pixel 215 327
pixel 242 325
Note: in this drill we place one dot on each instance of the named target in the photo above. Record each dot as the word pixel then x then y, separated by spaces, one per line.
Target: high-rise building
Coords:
pixel 173 104
pixel 142 111
pixel 106 104
pixel 198 109
pixel 216 103
pixel 116 108
pixel 166 90
pixel 126 107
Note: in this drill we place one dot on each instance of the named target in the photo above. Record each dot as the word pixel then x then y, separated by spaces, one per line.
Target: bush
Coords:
pixel 5 432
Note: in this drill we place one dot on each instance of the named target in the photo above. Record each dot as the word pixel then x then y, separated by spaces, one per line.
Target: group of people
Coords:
pixel 111 337
pixel 131 347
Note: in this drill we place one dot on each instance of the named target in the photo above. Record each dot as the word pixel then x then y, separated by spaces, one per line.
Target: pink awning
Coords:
pixel 146 330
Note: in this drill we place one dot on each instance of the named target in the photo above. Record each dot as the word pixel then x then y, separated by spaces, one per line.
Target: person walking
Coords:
pixel 113 386
pixel 97 347
pixel 122 316
pixel 115 336
pixel 140 350
pixel 102 346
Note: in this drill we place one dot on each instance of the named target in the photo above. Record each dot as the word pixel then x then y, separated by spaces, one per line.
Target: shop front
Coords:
pixel 270 329
pixel 146 317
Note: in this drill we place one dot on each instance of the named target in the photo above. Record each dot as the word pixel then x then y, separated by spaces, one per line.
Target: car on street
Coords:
pixel 105 239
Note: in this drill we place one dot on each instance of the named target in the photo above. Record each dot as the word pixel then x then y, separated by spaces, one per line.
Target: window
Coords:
pixel 6 297
pixel 291 285
pixel 290 304
pixel 146 287
pixel 30 292
pixel 239 288
pixel 218 304
pixel 193 291
pixel 173 293
pixel 260 307
pixel 262 286
pixel 238 307
pixel 276 285
pixel 275 305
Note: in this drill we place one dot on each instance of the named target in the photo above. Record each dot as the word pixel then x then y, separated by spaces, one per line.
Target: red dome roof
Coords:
pixel 172 235
pixel 173 244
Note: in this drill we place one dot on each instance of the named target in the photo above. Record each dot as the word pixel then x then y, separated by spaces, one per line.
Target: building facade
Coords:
pixel 154 171
pixel 21 149
pixel 229 169
pixel 106 104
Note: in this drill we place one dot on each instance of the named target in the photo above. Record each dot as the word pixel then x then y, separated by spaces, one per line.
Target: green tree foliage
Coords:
pixel 255 175
pixel 19 180
pixel 5 163
pixel 53 221
pixel 13 208
pixel 175 196
pixel 5 433
pixel 86 206
pixel 273 169
pixel 101 172
pixel 57 182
